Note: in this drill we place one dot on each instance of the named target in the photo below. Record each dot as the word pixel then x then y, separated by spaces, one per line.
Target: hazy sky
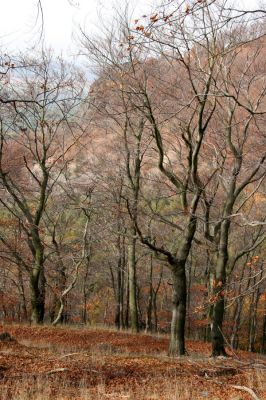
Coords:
pixel 20 22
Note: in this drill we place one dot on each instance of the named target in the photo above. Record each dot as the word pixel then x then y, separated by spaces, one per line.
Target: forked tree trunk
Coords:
pixel 179 297
pixel 60 284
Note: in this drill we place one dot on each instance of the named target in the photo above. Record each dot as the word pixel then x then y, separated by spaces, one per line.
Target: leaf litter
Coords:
pixel 85 363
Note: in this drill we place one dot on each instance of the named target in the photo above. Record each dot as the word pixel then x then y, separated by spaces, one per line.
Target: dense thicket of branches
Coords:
pixel 140 200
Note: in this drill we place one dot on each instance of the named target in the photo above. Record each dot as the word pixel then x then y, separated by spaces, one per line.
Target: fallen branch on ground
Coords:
pixel 75 354
pixel 53 371
pixel 248 390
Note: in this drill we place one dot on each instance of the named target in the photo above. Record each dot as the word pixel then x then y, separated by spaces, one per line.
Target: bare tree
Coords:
pixel 39 134
pixel 174 65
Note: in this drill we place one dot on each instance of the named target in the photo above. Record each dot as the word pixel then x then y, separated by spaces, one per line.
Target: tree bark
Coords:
pixel 154 302
pixel 37 288
pixel 119 285
pixel 217 337
pixel 218 348
pixel 127 302
pixel 237 317
pixel 22 293
pixel 219 281
pixel 179 297
pixel 119 297
pixel 149 326
pixel 253 317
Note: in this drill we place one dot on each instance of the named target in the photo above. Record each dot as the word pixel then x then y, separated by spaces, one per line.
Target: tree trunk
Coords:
pixel 127 303
pixel 85 291
pixel 132 282
pixel 37 284
pixel 236 320
pixel 119 285
pixel 263 338
pixel 219 282
pixel 253 318
pixel 60 287
pixel 208 274
pixel 154 302
pixel 188 299
pixel 119 297
pixel 179 297
pixel 216 329
pixel 150 299
pixel 37 294
pixel 218 348
pixel 237 313
pixel 155 316
pixel 22 293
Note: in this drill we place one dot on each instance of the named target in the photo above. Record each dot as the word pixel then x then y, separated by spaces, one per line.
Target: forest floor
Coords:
pixel 44 363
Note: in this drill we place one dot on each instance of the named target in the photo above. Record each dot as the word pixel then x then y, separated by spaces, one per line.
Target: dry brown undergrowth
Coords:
pixel 66 363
